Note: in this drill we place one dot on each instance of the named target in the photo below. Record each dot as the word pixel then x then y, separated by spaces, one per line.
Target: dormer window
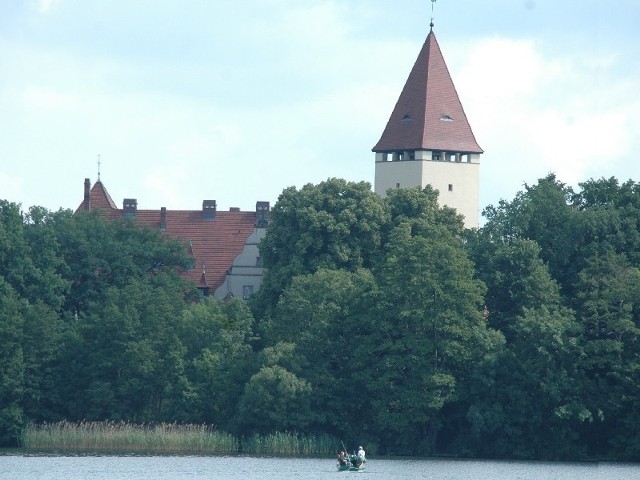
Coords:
pixel 446 118
pixel 406 118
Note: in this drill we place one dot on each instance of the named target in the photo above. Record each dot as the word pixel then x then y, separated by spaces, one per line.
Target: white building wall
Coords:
pixel 246 272
pixel 458 183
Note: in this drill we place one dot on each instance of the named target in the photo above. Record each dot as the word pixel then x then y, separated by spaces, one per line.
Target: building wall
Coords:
pixel 458 182
pixel 245 275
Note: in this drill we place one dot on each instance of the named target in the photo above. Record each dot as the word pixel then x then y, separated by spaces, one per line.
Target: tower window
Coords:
pixel 451 187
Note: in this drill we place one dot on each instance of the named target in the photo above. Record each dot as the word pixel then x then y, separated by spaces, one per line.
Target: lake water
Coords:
pixel 18 467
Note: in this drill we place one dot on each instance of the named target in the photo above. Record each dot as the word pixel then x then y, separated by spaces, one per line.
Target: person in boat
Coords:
pixel 361 456
pixel 342 458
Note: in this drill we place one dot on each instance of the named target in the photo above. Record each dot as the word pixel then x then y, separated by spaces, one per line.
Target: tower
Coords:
pixel 428 139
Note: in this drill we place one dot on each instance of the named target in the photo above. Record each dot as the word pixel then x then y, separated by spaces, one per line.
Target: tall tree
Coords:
pixel 217 336
pixel 11 365
pixel 426 334
pixel 334 225
pixel 275 398
pixel 322 314
pixel 101 254
pixel 542 213
pixel 609 310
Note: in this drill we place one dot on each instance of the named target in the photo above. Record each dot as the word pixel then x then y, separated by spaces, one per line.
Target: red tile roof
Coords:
pixel 428 114
pixel 214 242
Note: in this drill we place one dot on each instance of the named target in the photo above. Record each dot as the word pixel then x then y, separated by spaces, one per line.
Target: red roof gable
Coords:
pixel 213 242
pixel 428 114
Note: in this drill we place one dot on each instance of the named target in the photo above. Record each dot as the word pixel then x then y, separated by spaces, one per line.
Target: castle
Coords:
pixel 427 141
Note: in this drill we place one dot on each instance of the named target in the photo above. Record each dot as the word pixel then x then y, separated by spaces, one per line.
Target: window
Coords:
pixel 247 291
pixel 446 118
pixel 397 185
pixel 451 187
pixel 259 262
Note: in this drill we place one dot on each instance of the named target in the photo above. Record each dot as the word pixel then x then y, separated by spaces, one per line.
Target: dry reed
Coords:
pixel 126 437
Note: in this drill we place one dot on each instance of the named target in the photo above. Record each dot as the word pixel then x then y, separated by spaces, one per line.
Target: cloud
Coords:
pixel 46 6
pixel 535 111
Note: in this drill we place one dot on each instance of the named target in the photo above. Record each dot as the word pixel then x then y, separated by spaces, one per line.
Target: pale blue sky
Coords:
pixel 235 100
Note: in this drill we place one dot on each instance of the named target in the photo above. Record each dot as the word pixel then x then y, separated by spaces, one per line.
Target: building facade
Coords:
pixel 223 244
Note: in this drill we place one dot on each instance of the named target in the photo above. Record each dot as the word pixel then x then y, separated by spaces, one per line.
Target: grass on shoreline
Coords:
pixel 166 438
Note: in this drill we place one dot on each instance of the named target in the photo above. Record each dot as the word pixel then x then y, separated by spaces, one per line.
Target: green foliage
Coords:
pixel 322 315
pixel 273 398
pixel 11 365
pixel 219 359
pixel 380 321
pixel 525 398
pixel 427 332
pixel 332 225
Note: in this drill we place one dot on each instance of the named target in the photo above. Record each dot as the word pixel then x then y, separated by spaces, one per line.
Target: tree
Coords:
pixel 100 254
pixel 42 346
pixel 542 213
pixel 608 306
pixel 219 358
pixel 275 398
pixel 516 279
pixel 11 365
pixel 322 313
pixel 426 334
pixel 133 359
pixel 525 401
pixel 333 225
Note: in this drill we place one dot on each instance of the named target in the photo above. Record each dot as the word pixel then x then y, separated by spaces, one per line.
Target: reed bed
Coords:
pixel 126 437
pixel 287 443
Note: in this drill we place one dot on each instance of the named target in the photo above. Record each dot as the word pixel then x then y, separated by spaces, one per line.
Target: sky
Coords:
pixel 174 102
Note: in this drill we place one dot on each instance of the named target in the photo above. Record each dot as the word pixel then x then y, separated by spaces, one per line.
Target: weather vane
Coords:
pixel 98 167
pixel 432 4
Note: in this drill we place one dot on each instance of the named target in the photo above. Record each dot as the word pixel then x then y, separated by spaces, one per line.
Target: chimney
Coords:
pixel 208 209
pixel 86 204
pixel 262 214
pixel 163 218
pixel 129 207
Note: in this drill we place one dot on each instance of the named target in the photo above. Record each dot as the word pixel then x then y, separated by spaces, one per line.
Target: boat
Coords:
pixel 352 465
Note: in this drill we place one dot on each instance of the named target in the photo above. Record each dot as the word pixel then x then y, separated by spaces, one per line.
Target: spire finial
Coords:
pixel 431 24
pixel 98 167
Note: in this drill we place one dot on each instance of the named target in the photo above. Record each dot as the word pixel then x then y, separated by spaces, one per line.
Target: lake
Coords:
pixel 42 467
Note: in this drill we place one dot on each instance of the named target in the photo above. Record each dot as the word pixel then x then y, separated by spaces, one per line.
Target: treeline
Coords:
pixel 380 321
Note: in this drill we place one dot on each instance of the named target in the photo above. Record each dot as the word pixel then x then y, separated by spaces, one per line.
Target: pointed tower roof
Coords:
pixel 100 199
pixel 428 114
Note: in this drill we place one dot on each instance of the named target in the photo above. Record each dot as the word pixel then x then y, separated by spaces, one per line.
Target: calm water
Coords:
pixel 16 467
